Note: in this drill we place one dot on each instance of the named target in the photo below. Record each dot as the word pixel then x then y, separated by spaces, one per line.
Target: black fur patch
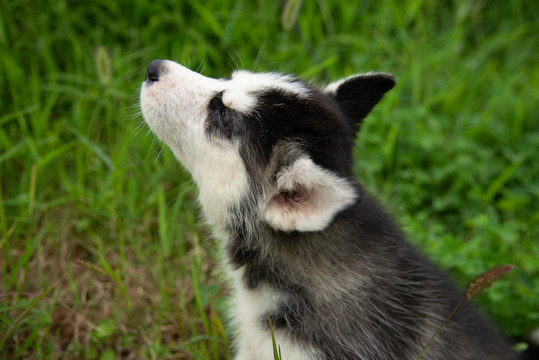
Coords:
pixel 357 95
pixel 221 120
pixel 314 123
pixel 259 270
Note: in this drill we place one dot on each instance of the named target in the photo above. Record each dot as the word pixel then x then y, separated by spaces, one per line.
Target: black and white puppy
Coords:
pixel 304 243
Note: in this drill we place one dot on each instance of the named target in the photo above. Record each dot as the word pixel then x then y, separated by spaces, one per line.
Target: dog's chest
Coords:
pixel 250 309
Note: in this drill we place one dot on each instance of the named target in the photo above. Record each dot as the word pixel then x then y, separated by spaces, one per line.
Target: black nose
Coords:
pixel 153 70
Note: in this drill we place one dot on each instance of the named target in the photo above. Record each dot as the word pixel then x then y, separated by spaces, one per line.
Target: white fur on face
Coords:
pixel 175 108
pixel 243 85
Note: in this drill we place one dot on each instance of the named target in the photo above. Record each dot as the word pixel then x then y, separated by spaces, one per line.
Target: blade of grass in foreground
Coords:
pixel 476 287
pixel 276 352
pixel 26 311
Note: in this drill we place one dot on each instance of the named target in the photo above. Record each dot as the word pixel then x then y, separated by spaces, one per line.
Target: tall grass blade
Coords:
pixel 290 14
pixel 26 311
pixel 103 65
pixel 276 351
pixel 475 287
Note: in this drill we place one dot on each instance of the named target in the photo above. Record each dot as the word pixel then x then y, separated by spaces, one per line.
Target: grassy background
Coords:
pixel 102 255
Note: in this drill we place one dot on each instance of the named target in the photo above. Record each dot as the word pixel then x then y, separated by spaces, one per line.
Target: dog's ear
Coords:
pixel 306 197
pixel 357 94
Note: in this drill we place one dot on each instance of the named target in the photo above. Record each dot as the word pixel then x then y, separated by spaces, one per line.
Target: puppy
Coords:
pixel 305 246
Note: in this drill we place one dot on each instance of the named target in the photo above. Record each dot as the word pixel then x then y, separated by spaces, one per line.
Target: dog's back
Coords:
pixel 306 247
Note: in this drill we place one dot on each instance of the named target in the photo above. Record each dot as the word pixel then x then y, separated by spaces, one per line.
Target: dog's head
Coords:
pixel 268 140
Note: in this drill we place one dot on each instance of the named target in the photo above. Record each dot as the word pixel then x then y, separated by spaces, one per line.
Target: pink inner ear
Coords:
pixel 307 197
pixel 291 199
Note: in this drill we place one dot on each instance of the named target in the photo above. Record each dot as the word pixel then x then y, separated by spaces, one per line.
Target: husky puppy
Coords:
pixel 304 244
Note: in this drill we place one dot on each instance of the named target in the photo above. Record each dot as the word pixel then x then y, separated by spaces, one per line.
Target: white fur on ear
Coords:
pixel 307 197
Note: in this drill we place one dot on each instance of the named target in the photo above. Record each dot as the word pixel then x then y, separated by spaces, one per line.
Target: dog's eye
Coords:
pixel 221 116
pixel 224 122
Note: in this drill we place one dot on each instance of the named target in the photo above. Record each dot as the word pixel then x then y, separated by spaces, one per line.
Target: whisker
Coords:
pixel 186 187
pixel 201 66
pixel 159 154
pixel 259 55
pixel 151 146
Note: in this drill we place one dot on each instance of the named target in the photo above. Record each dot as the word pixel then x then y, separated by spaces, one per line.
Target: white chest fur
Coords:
pixel 253 337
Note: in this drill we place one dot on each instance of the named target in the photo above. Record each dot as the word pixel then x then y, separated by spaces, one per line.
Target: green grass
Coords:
pixel 92 201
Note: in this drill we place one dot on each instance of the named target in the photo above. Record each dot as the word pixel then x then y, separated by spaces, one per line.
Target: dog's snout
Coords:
pixel 154 69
